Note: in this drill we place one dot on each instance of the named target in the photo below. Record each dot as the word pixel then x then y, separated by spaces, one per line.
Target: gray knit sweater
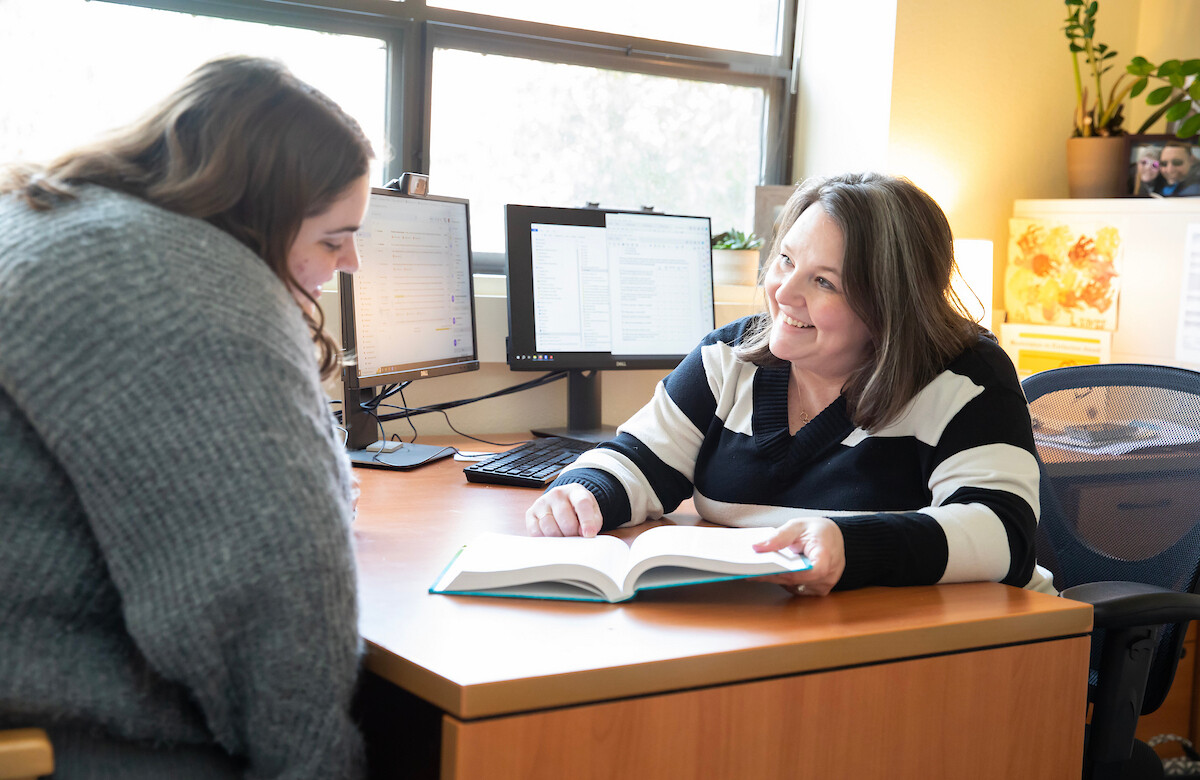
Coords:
pixel 176 576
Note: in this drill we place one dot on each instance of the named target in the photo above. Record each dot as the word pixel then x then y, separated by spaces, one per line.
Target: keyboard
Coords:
pixel 533 464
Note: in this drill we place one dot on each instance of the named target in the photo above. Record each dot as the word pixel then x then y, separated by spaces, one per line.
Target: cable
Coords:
pixel 406 412
pixel 409 417
pixel 476 438
pixel 451 426
pixel 410 412
pixel 387 391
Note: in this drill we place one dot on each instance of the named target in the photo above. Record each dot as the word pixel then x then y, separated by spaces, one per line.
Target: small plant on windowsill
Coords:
pixel 736 239
pixel 735 258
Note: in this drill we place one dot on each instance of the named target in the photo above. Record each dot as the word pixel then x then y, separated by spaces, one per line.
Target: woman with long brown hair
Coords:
pixel 176 581
pixel 863 413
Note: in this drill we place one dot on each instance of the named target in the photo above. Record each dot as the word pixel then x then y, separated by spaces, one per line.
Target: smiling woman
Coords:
pixel 864 414
pixel 813 325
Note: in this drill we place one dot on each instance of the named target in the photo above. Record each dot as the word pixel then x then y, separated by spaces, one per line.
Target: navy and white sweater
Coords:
pixel 948 492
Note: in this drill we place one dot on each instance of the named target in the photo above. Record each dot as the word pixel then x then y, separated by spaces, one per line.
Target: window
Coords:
pixel 122 58
pixel 550 104
pixel 754 27
pixel 512 130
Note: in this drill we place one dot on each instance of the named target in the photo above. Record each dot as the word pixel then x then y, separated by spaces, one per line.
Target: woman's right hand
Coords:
pixel 567 510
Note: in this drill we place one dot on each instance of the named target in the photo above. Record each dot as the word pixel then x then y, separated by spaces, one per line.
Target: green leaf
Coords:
pixel 1190 68
pixel 1169 68
pixel 1159 95
pixel 1095 6
pixel 1194 90
pixel 1178 111
pixel 1140 66
pixel 1076 47
pixel 1138 86
pixel 1189 128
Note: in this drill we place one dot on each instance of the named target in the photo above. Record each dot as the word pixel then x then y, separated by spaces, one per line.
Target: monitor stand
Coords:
pixel 363 446
pixel 406 456
pixel 583 410
pixel 590 435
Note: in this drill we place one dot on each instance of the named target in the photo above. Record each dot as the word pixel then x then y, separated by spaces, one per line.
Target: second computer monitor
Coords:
pixel 596 289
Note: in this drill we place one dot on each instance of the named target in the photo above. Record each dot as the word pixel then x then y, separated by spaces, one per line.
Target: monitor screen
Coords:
pixel 409 312
pixel 594 289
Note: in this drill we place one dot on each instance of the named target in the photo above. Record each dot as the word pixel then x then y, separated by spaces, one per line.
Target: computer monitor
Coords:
pixel 409 312
pixel 592 290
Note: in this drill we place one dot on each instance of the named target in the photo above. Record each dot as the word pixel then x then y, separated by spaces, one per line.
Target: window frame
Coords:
pixel 412 31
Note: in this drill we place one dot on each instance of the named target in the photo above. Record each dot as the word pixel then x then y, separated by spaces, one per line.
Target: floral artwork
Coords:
pixel 1061 275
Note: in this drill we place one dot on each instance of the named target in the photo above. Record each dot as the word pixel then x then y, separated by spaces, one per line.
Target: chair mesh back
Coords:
pixel 1120 492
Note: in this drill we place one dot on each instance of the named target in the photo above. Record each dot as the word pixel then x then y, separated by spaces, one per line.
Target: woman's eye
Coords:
pixel 825 283
pixel 331 245
pixel 785 261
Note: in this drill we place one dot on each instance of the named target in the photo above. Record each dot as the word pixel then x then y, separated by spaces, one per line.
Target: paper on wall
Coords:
pixel 1034 348
pixel 1187 333
pixel 1063 274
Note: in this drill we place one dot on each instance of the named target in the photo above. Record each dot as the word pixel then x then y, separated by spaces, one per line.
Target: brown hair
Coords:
pixel 899 259
pixel 242 144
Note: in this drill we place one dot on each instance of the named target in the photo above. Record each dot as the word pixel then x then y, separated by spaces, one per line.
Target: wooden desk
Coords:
pixel 726 680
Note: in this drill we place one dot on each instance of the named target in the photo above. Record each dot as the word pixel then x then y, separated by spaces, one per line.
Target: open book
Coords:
pixel 605 568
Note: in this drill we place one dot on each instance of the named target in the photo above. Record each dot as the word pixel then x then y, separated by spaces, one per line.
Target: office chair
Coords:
pixel 25 754
pixel 1119 451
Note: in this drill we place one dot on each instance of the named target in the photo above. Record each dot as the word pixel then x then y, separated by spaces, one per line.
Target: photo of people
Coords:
pixel 1163 167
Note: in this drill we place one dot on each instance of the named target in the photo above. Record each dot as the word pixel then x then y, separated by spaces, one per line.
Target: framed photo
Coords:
pixel 1163 166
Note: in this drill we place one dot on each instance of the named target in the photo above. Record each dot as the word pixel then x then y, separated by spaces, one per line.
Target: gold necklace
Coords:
pixel 794 386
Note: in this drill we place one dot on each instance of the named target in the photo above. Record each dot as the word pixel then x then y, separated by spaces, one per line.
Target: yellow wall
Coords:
pixel 981 96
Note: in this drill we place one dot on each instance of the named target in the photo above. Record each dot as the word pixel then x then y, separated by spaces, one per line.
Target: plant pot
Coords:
pixel 735 266
pixel 1097 167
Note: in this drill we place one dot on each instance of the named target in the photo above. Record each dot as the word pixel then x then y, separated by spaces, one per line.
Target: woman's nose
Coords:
pixel 350 260
pixel 789 291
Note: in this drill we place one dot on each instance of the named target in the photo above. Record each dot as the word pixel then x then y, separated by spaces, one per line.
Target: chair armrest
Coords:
pixel 25 753
pixel 1130 604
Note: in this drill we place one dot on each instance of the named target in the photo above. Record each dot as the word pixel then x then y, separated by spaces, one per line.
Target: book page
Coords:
pixel 728 544
pixel 713 550
pixel 499 560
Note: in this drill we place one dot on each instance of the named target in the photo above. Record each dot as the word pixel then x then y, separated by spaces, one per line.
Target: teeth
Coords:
pixel 792 322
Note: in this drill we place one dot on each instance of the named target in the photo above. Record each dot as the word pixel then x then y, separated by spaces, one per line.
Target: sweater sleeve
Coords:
pixel 980 524
pixel 173 379
pixel 649 468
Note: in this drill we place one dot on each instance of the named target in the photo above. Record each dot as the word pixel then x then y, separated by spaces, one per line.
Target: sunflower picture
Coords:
pixel 1061 275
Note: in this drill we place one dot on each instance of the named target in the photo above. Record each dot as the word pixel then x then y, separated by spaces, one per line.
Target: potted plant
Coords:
pixel 1096 165
pixel 735 258
pixel 1097 156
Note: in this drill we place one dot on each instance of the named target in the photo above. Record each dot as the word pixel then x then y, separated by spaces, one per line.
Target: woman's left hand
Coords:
pixel 820 540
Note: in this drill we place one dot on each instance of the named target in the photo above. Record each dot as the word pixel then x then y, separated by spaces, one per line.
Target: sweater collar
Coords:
pixel 770 420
